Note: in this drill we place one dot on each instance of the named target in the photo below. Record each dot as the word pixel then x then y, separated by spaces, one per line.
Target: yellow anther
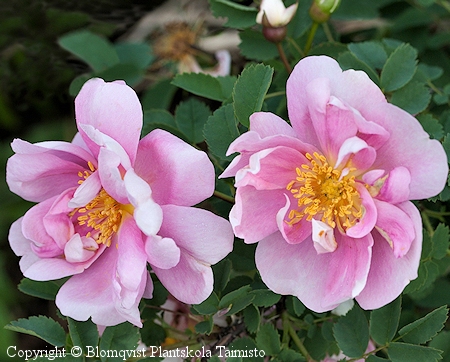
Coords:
pixel 323 193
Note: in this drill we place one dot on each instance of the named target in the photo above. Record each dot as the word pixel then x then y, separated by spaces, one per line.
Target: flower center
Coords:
pixel 101 217
pixel 325 193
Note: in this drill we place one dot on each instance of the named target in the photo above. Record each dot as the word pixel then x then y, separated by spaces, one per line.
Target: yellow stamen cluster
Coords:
pixel 102 215
pixel 325 192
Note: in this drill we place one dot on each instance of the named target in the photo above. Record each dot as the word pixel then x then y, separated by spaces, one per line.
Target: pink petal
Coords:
pixel 147 213
pixel 112 108
pixel 395 226
pixel 425 159
pixel 132 259
pixel 39 176
pixel 395 188
pixel 80 249
pixel 273 168
pixel 388 274
pixel 20 245
pixel 253 216
pixel 323 237
pixel 369 218
pixel 96 293
pixel 161 252
pixel 176 172
pixel 43 244
pixel 355 153
pixel 190 281
pixel 86 191
pixel 320 281
pixel 268 124
pixel 57 221
pixel 200 233
pixel 297 232
pixel 304 72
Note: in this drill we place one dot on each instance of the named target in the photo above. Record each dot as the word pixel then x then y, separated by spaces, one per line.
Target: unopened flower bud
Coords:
pixel 321 10
pixel 273 13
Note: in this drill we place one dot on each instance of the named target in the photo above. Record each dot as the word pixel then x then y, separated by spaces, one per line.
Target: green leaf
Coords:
pixel 268 339
pixel 424 329
pixel 399 68
pixel 220 130
pixel 83 334
pixel 254 46
pixel 384 322
pixel 446 145
pixel 130 73
pixel 44 290
pixel 124 336
pixel 251 318
pixel 205 327
pixel 299 308
pixel 159 96
pixel 221 272
pixel 431 125
pixel 77 83
pixel 414 97
pixel 265 297
pixel 442 342
pixel 208 306
pixel 289 355
pixel 190 117
pixel 440 241
pixel 250 90
pixel 158 118
pixel 42 327
pixel 244 349
pixel 348 61
pixel 138 54
pixel 403 352
pixel 95 50
pixel 352 333
pixel 152 334
pixel 239 16
pixel 236 300
pixel 205 85
pixel 373 358
pixel 369 52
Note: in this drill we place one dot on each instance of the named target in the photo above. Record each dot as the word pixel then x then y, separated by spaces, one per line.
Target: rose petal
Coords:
pixel 204 235
pixel 113 109
pixel 388 270
pixel 161 252
pixel 165 162
pixel 320 281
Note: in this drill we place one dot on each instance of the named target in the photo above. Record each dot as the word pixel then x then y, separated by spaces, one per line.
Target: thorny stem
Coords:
pixel 310 39
pixel 224 197
pixel 283 57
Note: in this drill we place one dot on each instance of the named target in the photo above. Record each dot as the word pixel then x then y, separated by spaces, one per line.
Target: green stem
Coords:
pixel 283 57
pixel 299 344
pixel 224 197
pixel 275 94
pixel 311 35
pixel 295 45
pixel 427 223
pixel 327 31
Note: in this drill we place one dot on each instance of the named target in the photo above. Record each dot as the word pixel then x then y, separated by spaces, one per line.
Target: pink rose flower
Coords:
pixel 328 198
pixel 108 203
